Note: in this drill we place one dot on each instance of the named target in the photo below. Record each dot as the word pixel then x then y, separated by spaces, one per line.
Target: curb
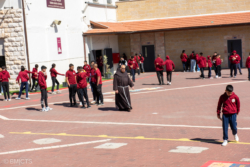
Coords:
pixel 50 90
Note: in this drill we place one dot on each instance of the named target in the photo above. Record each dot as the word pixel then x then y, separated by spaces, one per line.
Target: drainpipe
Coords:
pixel 85 57
pixel 26 37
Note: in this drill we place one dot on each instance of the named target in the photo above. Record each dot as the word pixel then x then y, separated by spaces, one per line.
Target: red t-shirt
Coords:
pixel 96 75
pixel 71 77
pixel 81 80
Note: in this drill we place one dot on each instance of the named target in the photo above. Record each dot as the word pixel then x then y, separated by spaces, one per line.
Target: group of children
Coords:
pixel 200 62
pixel 77 83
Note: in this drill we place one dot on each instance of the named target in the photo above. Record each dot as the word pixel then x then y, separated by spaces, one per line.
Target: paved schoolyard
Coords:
pixel 169 126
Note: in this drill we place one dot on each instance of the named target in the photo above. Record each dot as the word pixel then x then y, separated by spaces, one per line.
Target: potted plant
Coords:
pixel 107 69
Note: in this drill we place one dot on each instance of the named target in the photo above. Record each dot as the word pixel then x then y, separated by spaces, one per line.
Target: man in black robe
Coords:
pixel 121 85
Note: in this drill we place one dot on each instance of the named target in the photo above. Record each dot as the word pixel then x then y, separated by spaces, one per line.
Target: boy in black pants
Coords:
pixel 43 86
pixel 72 84
pixel 82 86
pixel 4 77
pixel 230 104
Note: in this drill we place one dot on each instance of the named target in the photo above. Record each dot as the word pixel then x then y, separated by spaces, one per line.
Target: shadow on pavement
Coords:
pixel 150 84
pixel 110 109
pixel 64 104
pixel 213 141
pixel 240 79
pixel 193 78
pixel 33 109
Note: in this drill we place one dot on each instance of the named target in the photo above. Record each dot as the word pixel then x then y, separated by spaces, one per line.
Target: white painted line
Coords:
pixel 120 123
pixel 1 136
pixel 155 113
pixel 3 118
pixel 32 105
pixel 111 145
pixel 245 159
pixel 46 141
pixel 188 149
pixel 58 146
pixel 191 87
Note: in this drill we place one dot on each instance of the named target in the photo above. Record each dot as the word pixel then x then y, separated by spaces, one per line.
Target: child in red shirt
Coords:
pixel 42 76
pixel 248 66
pixel 218 66
pixel 230 104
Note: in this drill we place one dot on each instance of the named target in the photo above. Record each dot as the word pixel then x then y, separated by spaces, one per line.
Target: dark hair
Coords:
pixel 132 57
pixel 201 53
pixel 183 51
pixel 158 55
pixel 43 67
pixel 70 65
pixel 3 67
pixel 22 68
pixel 230 88
pixel 192 51
pixel 79 68
pixel 136 54
pixel 218 54
pixel 215 52
pixel 53 66
pixel 36 65
pixel 85 61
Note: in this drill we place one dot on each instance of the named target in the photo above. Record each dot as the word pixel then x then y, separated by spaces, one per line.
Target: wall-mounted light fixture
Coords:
pixel 56 22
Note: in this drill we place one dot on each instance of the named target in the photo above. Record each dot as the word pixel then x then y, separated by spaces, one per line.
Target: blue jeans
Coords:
pixel 184 65
pixel 209 72
pixel 26 84
pixel 229 119
pixel 193 65
pixel 238 66
pixel 132 73
pixel 248 73
pixel 198 68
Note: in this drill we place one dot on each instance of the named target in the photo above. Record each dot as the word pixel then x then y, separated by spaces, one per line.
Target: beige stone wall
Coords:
pixel 149 9
pixel 206 41
pixel 11 29
pixel 124 44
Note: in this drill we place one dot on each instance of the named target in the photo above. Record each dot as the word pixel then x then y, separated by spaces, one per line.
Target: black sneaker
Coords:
pixel 83 107
pixel 89 107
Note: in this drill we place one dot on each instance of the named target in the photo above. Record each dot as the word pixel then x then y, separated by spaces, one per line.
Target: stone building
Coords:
pixel 12 34
pixel 167 27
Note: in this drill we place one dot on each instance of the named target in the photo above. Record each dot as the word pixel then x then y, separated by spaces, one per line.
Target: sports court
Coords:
pixel 169 126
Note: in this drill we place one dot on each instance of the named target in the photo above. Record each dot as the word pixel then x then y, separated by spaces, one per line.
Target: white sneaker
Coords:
pixel 18 98
pixel 58 92
pixel 93 102
pixel 9 100
pixel 236 138
pixel 48 109
pixel 43 110
pixel 224 143
pixel 53 93
pixel 80 104
pixel 27 98
pixel 216 76
pixel 169 83
pixel 0 94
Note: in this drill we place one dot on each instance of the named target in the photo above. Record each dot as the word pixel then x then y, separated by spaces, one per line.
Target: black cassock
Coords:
pixel 121 83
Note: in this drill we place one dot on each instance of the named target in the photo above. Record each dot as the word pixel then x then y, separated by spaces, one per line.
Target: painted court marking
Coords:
pixel 111 145
pixel 120 137
pixel 51 147
pixel 46 141
pixel 191 87
pixel 118 123
pixel 1 136
pixel 188 149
